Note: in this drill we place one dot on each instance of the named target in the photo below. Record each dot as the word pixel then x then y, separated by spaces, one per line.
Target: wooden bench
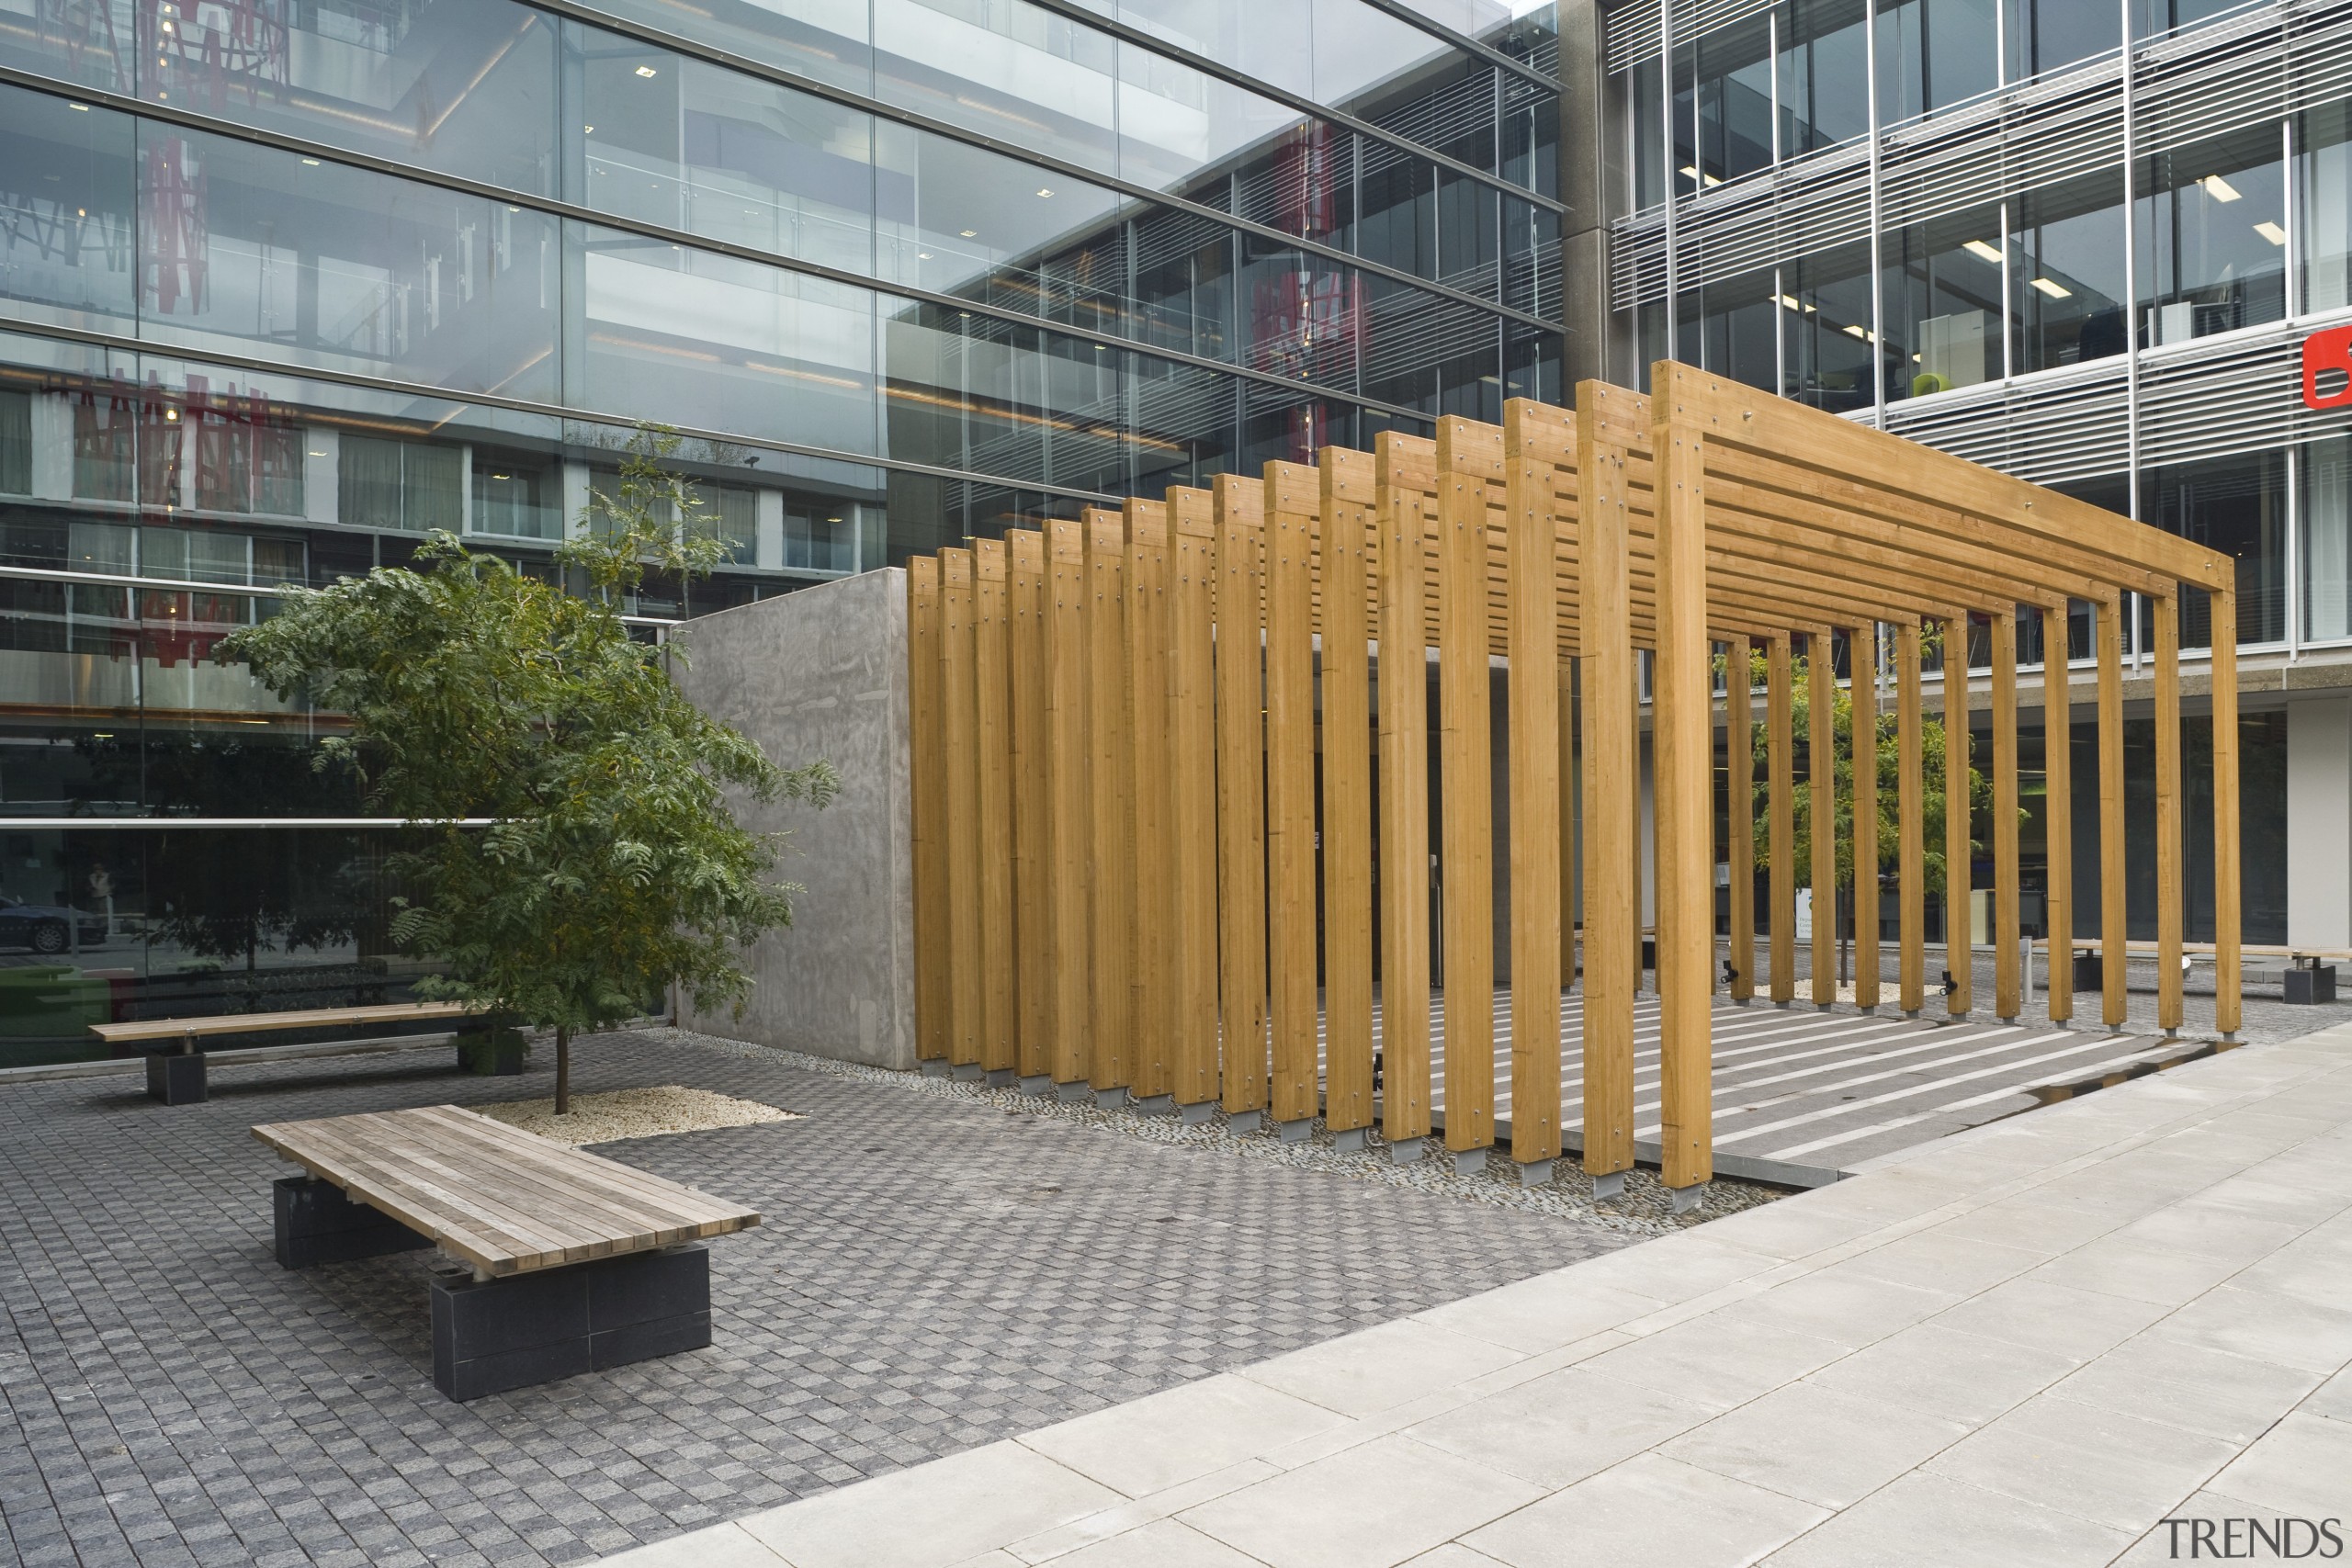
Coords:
pixel 578 1263
pixel 176 1063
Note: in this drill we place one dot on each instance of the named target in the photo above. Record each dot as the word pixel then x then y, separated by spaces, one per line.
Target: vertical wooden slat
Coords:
pixel 1110 757
pixel 927 786
pixel 1402 563
pixel 1032 808
pixel 1192 772
pixel 960 702
pixel 1071 812
pixel 1959 949
pixel 1564 684
pixel 1469 458
pixel 992 682
pixel 1531 555
pixel 2058 810
pixel 1821 775
pixel 2009 996
pixel 1780 831
pixel 1682 720
pixel 1292 503
pixel 1152 982
pixel 1606 422
pixel 1910 806
pixel 1240 794
pixel 2227 978
pixel 1863 663
pixel 1739 756
pixel 2113 915
pixel 1348 498
pixel 2168 821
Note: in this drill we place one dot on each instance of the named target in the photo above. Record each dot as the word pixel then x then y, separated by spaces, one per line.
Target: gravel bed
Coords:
pixel 1644 1209
pixel 633 1113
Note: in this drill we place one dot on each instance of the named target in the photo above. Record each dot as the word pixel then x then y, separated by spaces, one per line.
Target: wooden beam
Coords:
pixel 1910 823
pixel 2170 890
pixel 1821 802
pixel 1192 775
pixel 1071 813
pixel 2058 808
pixel 1739 808
pixel 1469 464
pixel 2113 915
pixel 927 789
pixel 1153 979
pixel 1402 568
pixel 1780 834
pixel 960 702
pixel 2228 1010
pixel 1033 834
pixel 1531 543
pixel 1109 783
pixel 992 681
pixel 1959 955
pixel 1862 661
pixel 1292 503
pixel 1348 498
pixel 1682 728
pixel 2008 998
pixel 1240 794
pixel 1611 817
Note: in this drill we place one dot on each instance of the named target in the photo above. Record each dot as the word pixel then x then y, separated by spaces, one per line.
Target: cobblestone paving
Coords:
pixel 934 1274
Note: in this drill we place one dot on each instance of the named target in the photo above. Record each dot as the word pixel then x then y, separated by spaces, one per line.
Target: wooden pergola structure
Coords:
pixel 1124 873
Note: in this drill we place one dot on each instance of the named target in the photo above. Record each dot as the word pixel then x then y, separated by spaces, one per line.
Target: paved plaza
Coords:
pixel 2027 1344
pixel 933 1275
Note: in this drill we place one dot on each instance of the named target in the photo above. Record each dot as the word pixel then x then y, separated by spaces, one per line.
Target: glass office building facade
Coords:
pixel 2082 240
pixel 287 284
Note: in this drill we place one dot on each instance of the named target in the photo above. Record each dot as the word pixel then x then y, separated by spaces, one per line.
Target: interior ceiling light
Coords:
pixel 969 233
pixel 1044 192
pixel 2219 189
pixel 647 71
pixel 1861 332
pixel 2272 233
pixel 2055 290
pixel 1979 248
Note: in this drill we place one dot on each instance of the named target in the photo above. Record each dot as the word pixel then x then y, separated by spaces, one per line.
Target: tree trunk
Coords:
pixel 562 1071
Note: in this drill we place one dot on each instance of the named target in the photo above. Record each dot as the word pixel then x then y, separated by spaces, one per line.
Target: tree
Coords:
pixel 613 868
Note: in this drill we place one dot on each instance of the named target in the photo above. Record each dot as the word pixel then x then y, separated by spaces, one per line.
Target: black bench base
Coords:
pixel 316 1223
pixel 490 1335
pixel 175 1076
pixel 2308 986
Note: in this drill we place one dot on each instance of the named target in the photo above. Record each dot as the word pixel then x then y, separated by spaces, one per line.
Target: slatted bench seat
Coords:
pixel 176 1063
pixel 579 1263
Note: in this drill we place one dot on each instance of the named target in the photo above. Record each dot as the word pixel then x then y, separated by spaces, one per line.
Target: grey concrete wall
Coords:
pixel 2319 822
pixel 823 673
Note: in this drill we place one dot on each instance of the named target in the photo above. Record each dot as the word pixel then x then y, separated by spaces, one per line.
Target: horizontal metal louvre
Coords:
pixel 2067 426
pixel 2238 396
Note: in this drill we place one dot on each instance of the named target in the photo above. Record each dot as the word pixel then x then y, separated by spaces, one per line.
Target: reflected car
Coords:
pixel 46 928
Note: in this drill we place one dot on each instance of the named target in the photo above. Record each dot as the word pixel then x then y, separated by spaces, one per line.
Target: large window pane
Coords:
pixel 2212 238
pixel 1736 324
pixel 1826 320
pixel 67 255
pixel 1017 72
pixel 2238 506
pixel 1824 75
pixel 1735 100
pixel 2327 540
pixel 1932 53
pixel 2323 145
pixel 827 41
pixel 956 219
pixel 1942 294
pixel 2049 35
pixel 2066 269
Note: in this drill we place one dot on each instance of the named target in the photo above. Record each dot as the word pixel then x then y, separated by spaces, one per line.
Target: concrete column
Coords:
pixel 2319 822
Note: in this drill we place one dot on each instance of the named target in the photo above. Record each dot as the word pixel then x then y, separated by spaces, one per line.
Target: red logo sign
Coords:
pixel 2327 369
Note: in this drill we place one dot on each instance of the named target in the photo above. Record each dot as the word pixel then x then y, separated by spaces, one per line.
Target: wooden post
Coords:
pixel 1347 498
pixel 1959 955
pixel 1109 783
pixel 1192 775
pixel 927 787
pixel 1611 817
pixel 960 700
pixel 1403 788
pixel 1910 822
pixel 2113 912
pixel 1682 721
pixel 1291 506
pixel 2169 900
pixel 1032 833
pixel 1469 459
pixel 2058 813
pixel 1071 812
pixel 1153 979
pixel 1240 794
pixel 1530 562
pixel 992 681
pixel 2227 1001
pixel 1739 715
pixel 1780 831
pixel 2008 998
pixel 1566 683
pixel 1863 665
pixel 1821 775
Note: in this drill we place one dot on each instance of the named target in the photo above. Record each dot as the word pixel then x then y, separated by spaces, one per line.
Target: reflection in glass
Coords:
pixel 826 40
pixel 2048 35
pixel 2066 267
pixel 2212 238
pixel 1942 295
pixel 1823 74
pixel 1934 53
pixel 68 253
pixel 1013 71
